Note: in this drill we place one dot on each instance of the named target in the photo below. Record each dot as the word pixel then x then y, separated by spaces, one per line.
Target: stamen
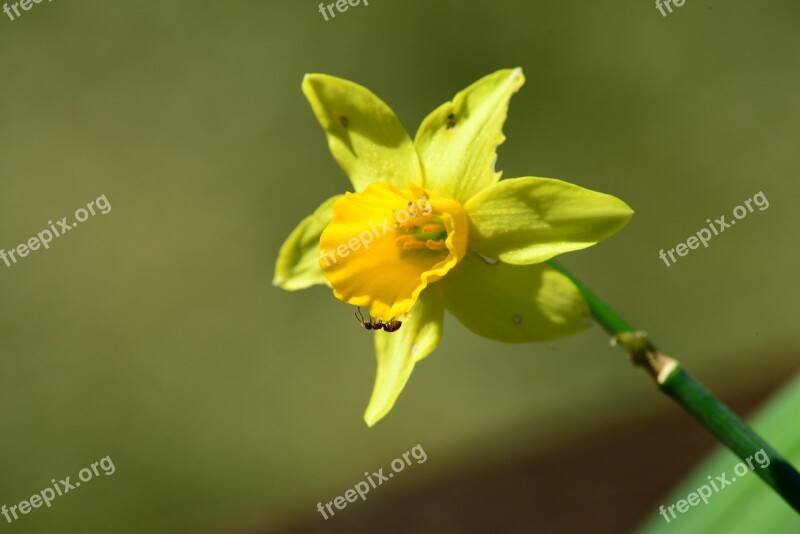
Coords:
pixel 410 242
pixel 423 231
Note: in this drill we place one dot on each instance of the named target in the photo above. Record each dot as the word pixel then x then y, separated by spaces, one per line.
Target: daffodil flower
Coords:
pixel 431 226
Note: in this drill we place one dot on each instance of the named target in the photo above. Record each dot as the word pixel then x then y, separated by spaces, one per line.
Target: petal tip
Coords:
pixel 517 74
pixel 311 82
pixel 308 85
pixel 371 418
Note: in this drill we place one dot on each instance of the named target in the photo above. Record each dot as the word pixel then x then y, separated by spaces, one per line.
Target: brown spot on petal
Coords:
pixel 344 121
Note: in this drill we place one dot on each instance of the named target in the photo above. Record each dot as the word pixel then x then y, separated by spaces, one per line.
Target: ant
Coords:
pixel 392 325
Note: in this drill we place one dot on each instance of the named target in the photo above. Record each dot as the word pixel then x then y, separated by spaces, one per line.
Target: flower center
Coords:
pixel 423 230
pixel 383 246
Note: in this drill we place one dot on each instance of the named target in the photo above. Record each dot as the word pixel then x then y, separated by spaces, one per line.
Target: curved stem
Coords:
pixel 701 404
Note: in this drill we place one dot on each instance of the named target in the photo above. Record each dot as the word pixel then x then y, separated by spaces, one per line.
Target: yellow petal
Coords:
pixel 298 260
pixel 457 143
pixel 365 254
pixel 364 135
pixel 398 351
pixel 530 220
pixel 514 304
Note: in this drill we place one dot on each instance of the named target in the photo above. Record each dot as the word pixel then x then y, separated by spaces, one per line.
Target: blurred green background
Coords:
pixel 153 334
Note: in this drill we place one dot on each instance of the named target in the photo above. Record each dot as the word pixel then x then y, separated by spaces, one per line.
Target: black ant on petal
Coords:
pixel 369 325
pixel 393 325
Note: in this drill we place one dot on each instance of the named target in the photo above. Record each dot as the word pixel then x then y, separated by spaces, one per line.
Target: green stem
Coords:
pixel 701 404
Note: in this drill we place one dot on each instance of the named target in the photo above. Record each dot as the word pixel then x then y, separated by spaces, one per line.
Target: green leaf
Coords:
pixel 364 135
pixel 458 141
pixel 398 351
pixel 530 220
pixel 514 304
pixel 748 505
pixel 298 260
